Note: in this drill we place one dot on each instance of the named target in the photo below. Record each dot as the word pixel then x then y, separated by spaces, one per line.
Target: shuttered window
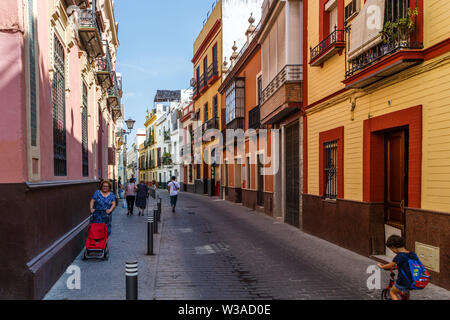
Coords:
pixel 59 110
pixel 84 133
pixel 215 107
pixel 205 111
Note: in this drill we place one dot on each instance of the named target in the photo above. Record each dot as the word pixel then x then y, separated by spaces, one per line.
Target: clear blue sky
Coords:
pixel 156 47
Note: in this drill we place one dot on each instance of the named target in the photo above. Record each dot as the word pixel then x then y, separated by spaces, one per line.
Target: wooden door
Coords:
pixel 293 174
pixel 395 178
pixel 260 195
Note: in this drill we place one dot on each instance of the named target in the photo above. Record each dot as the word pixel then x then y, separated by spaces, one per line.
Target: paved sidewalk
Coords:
pixel 105 280
pixel 213 249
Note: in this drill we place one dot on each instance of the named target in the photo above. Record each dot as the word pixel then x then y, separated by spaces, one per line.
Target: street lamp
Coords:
pixel 130 124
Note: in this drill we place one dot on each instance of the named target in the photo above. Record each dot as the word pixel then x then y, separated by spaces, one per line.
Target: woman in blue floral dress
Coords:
pixel 102 204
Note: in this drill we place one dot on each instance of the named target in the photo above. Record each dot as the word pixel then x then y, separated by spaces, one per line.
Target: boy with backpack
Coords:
pixel 412 275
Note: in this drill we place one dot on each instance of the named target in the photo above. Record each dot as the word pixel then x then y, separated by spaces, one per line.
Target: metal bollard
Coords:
pixel 150 235
pixel 155 216
pixel 159 209
pixel 131 274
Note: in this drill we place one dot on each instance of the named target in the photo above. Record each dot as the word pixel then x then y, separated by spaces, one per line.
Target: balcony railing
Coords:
pixel 113 92
pixel 212 123
pixel 149 142
pixel 187 110
pixel 393 40
pixel 213 73
pixel 167 160
pixel 200 85
pixel 90 33
pixel 104 68
pixel 335 40
pixel 290 73
pixel 254 121
pixel 167 135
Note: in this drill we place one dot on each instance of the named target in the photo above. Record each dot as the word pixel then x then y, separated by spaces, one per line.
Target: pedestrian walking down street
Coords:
pixel 119 184
pixel 141 197
pixel 102 204
pixel 173 187
pixel 130 194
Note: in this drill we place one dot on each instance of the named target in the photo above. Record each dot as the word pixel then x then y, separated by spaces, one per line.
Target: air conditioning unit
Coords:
pixel 192 82
pixel 193 116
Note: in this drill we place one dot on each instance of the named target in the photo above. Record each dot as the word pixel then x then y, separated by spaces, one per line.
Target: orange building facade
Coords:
pixel 243 178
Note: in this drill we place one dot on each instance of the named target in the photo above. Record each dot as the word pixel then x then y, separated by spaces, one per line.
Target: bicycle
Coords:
pixel 386 294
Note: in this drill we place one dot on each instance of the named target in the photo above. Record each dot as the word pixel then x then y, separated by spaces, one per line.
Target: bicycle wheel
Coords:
pixel 385 294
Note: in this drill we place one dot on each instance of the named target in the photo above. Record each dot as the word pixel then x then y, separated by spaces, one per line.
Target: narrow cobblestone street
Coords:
pixel 213 249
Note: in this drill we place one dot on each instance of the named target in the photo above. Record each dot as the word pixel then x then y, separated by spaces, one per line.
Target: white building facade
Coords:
pixel 133 155
pixel 176 134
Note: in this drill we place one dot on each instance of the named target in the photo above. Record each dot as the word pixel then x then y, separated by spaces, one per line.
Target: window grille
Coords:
pixel 84 134
pixel 59 110
pixel 330 149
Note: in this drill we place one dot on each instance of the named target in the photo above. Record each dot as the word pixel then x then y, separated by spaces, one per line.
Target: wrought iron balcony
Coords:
pixel 334 42
pixel 397 42
pixel 212 123
pixel 90 33
pixel 151 140
pixel 113 92
pixel 203 82
pixel 104 68
pixel 254 121
pixel 213 73
pixel 200 85
pixel 167 135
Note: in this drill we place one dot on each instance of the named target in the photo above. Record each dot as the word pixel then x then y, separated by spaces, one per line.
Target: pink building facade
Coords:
pixel 60 102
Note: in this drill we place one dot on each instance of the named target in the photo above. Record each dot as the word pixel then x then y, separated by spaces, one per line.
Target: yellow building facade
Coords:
pixel 207 63
pixel 377 127
pixel 148 151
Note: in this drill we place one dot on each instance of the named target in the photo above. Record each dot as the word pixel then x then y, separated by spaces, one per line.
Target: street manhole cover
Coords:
pixel 191 212
pixel 191 207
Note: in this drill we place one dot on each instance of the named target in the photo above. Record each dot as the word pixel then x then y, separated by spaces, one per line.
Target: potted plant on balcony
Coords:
pixel 396 33
pixel 167 159
pixel 406 26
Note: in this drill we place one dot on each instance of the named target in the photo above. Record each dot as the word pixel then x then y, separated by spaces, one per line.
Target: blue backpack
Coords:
pixel 420 275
